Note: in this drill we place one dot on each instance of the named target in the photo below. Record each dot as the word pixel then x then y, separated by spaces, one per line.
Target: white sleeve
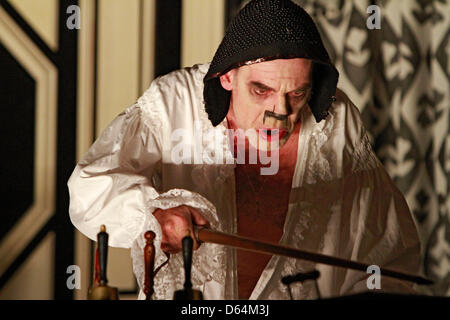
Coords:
pixel 380 228
pixel 113 185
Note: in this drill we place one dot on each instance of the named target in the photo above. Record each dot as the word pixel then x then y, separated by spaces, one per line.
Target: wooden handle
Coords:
pixel 187 243
pixel 149 257
pixel 207 235
pixel 100 290
pixel 102 242
pixel 96 269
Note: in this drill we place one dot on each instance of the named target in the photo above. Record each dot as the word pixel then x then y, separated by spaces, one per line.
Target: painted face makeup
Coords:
pixel 275 126
pixel 283 84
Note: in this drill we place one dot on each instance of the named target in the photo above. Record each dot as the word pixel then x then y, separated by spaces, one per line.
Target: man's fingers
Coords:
pixel 197 217
pixel 196 244
pixel 176 223
pixel 198 220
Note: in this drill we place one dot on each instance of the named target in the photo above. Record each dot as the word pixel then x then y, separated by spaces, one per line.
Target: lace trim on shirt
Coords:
pixel 223 171
pixel 299 291
pixel 318 167
pixel 208 261
pixel 152 114
pixel 363 156
pixel 291 266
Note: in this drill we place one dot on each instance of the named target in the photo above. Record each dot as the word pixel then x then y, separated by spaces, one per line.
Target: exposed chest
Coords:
pixel 262 200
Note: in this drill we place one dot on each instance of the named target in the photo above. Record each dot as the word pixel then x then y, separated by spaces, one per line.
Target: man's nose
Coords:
pixel 282 105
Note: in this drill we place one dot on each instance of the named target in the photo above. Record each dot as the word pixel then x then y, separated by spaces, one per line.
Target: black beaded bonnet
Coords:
pixel 267 30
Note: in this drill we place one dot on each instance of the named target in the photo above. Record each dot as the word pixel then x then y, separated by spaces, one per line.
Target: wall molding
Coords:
pixel 45 73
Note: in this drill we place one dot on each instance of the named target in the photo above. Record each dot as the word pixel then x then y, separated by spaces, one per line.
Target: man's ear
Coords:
pixel 226 80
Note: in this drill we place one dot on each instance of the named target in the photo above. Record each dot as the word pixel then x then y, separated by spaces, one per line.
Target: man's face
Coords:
pixel 282 87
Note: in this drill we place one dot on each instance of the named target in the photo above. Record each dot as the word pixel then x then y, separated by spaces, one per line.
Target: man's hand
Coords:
pixel 175 224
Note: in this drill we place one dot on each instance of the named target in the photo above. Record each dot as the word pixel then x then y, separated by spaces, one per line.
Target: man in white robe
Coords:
pixel 167 163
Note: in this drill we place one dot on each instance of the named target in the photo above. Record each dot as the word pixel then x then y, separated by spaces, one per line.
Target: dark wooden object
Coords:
pixel 100 290
pixel 188 293
pixel 149 257
pixel 207 235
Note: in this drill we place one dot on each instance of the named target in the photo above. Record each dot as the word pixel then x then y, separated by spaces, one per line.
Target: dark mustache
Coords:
pixel 281 117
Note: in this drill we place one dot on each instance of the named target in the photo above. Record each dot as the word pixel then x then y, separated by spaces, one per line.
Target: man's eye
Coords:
pixel 260 91
pixel 298 93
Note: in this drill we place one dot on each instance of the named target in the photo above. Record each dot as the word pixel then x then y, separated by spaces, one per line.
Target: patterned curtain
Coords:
pixel 399 78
